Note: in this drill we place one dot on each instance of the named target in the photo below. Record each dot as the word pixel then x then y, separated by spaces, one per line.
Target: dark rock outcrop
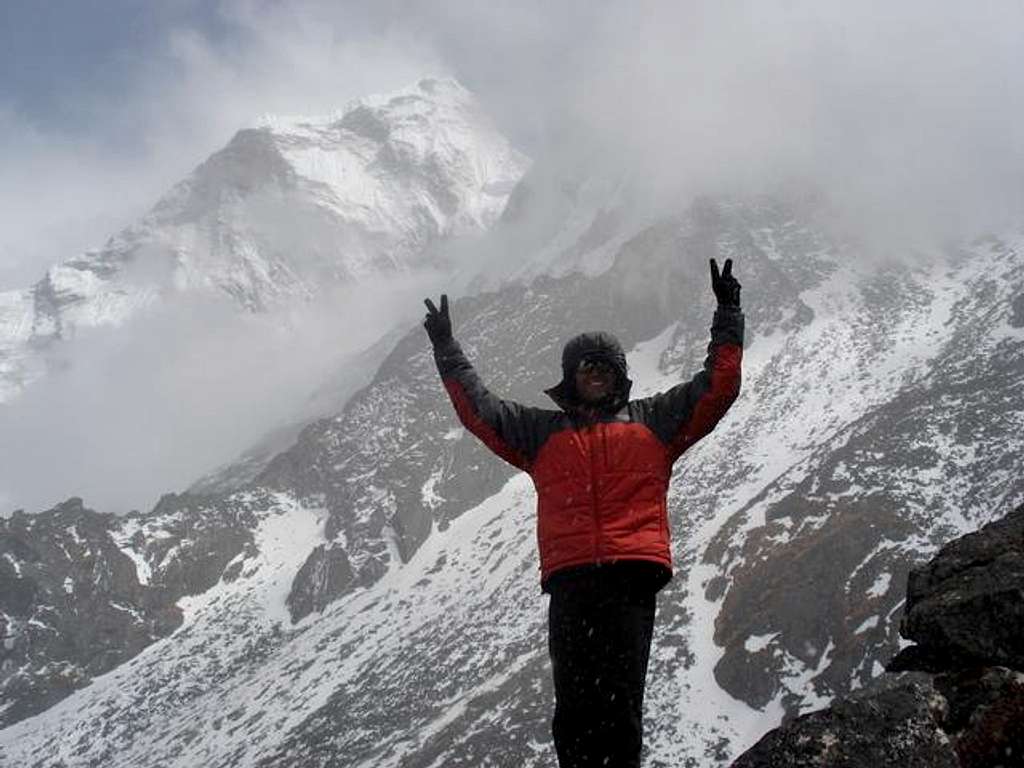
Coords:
pixel 899 727
pixel 327 571
pixel 805 605
pixel 73 603
pixel 71 606
pixel 986 715
pixel 965 609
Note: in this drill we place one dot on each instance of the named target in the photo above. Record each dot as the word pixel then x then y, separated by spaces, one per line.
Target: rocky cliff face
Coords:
pixel 850 518
pixel 964 610
pixel 72 606
pixel 82 592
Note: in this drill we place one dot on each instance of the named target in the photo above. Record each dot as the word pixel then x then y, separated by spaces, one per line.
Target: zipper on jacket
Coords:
pixel 593 491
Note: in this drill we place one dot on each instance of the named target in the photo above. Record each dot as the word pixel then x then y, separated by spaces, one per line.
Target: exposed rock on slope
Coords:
pixel 966 606
pixel 860 408
pixel 966 609
pixel 894 728
pixel 924 462
pixel 82 592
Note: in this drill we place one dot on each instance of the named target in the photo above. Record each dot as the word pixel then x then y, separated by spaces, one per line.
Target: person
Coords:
pixel 601 465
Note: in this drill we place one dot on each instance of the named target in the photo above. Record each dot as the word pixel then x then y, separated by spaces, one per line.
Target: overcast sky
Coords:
pixel 907 115
pixel 104 104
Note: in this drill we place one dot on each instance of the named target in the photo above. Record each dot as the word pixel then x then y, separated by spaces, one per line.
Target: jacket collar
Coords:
pixel 564 396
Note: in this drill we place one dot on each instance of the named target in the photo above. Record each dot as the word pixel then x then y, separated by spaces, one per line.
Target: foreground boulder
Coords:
pixel 986 716
pixel 965 610
pixel 899 727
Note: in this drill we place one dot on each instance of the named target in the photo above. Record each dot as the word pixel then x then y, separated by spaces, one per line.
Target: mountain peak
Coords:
pixel 286 210
pixel 425 95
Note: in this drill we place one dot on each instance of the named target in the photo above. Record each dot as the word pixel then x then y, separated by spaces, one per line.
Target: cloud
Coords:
pixel 69 183
pixel 145 409
pixel 131 413
pixel 904 116
pixel 58 195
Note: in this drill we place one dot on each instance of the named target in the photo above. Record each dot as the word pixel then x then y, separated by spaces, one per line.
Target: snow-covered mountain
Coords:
pixel 371 597
pixel 283 213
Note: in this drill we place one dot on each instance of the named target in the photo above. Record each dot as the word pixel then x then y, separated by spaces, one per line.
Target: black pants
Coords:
pixel 599 636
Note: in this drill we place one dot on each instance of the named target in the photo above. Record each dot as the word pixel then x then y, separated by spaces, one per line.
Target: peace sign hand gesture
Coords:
pixel 437 322
pixel 725 286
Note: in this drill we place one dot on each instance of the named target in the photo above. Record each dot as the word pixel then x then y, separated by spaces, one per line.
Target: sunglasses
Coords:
pixel 595 365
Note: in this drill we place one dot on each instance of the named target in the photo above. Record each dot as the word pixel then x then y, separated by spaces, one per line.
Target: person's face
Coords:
pixel 595 379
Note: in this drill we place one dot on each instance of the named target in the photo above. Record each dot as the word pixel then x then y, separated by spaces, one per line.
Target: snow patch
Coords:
pixel 15 563
pixel 756 643
pixel 430 498
pixel 870 623
pixel 645 368
pixel 127 609
pixel 881 585
pixel 122 539
pixel 285 537
pixel 1004 332
pixel 798 678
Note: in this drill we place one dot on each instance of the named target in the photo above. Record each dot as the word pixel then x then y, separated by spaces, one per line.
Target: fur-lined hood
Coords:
pixel 593 343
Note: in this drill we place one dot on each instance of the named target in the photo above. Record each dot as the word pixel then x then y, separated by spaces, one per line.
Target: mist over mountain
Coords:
pixel 382 569
pixel 301 242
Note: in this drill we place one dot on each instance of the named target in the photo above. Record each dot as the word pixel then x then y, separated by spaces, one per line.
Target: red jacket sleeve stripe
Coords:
pixel 712 405
pixel 472 420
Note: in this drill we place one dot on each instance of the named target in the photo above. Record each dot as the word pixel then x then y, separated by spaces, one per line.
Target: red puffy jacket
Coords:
pixel 601 477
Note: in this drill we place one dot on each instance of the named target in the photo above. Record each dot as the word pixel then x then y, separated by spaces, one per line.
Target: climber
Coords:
pixel 601 465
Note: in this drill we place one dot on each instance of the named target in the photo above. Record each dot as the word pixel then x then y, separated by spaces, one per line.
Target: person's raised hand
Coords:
pixel 725 286
pixel 438 322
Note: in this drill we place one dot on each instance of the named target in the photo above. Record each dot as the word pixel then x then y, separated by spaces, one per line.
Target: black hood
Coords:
pixel 591 344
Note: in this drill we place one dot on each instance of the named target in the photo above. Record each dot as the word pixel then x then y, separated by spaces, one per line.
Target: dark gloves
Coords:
pixel 437 322
pixel 725 286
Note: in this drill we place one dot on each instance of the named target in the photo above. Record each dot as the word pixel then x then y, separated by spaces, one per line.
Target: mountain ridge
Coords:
pixel 438 621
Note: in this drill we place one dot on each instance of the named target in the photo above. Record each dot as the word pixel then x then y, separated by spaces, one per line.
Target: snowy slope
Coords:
pixel 881 414
pixel 929 449
pixel 18 366
pixel 283 213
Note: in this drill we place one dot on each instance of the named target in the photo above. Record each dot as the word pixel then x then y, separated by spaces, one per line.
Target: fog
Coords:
pixel 904 117
pixel 70 182
pixel 149 408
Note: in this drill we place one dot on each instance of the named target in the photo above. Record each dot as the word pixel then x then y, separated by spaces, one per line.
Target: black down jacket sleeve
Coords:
pixel 689 411
pixel 514 432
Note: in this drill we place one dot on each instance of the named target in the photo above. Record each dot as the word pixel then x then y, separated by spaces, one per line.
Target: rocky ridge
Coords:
pixel 415 600
pixel 83 591
pixel 855 512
